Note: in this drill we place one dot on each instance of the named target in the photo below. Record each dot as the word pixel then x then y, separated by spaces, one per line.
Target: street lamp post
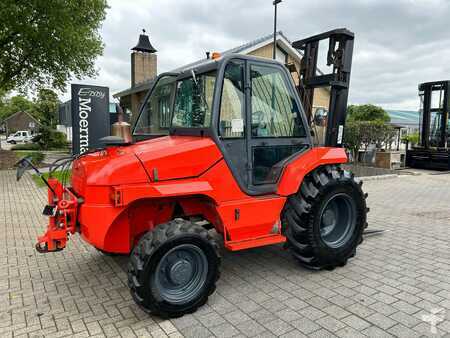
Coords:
pixel 275 3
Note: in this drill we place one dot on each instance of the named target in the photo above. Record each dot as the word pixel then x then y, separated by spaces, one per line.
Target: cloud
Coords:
pixel 398 43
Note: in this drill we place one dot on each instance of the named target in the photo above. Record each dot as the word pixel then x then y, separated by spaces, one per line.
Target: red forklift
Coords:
pixel 236 157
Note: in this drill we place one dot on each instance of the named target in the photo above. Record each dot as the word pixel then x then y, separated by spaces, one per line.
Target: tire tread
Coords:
pixel 299 217
pixel 147 246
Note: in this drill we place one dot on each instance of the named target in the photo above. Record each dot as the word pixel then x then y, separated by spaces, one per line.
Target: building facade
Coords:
pixel 20 121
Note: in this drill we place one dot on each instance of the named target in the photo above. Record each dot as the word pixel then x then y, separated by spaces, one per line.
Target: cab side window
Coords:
pixel 232 113
pixel 274 110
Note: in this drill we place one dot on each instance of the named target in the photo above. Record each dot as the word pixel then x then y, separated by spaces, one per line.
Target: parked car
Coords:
pixel 21 136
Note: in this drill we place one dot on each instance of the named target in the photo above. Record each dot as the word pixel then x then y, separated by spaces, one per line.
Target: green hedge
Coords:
pixel 48 139
pixel 26 146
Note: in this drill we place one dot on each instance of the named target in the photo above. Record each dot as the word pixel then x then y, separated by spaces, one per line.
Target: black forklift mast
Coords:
pixel 426 91
pixel 433 150
pixel 339 56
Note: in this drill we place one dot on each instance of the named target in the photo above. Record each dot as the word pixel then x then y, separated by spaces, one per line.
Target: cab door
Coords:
pixel 276 130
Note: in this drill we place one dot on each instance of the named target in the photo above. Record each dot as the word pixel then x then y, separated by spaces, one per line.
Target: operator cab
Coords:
pixel 247 105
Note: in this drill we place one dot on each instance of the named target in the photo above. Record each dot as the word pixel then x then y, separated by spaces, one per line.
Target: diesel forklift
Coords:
pixel 432 152
pixel 224 145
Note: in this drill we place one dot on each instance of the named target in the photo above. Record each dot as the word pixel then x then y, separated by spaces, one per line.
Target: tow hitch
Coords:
pixel 61 209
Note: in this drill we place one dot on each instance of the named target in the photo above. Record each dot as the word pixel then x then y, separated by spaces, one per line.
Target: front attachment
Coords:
pixel 62 212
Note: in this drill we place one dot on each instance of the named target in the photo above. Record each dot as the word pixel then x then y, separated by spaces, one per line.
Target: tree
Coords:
pixel 353 138
pixel 361 134
pixel 367 112
pixel 3 99
pixel 49 138
pixel 45 43
pixel 46 107
pixel 412 139
pixel 15 104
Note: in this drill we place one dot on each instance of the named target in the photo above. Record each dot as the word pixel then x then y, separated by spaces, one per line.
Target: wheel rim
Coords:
pixel 338 220
pixel 181 274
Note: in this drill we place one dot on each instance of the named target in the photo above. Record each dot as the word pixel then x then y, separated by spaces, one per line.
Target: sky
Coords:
pixel 398 43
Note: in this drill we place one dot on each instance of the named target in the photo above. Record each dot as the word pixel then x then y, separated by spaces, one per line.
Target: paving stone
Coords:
pixel 196 331
pixel 356 322
pixel 295 303
pixel 406 307
pixel 322 334
pixel 336 311
pixel 312 313
pixel 383 308
pixel 210 319
pixel 185 321
pixel 374 331
pixel 265 334
pixel 381 321
pixel 444 326
pixel 250 328
pixel 224 330
pixel 293 334
pixel 236 317
pixel 384 297
pixel 401 331
pixel 288 315
pixel 305 325
pixel 331 324
pixel 405 319
pixel 349 332
pixel 360 310
pixel 277 327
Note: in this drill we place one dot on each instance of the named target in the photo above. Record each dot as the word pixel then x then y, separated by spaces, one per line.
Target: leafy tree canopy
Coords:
pixel 361 134
pixel 367 112
pixel 44 107
pixel 44 43
pixel 15 104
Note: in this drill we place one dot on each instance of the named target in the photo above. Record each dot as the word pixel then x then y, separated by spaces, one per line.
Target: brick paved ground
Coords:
pixel 395 279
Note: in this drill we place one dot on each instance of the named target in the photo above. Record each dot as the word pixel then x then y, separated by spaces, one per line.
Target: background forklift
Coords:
pixel 432 152
pixel 239 158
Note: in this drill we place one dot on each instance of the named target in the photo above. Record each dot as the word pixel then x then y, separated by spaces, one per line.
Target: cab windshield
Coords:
pixel 193 101
pixel 156 113
pixel 186 103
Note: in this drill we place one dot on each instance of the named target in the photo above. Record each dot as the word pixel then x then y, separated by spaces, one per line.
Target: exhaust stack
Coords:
pixel 121 128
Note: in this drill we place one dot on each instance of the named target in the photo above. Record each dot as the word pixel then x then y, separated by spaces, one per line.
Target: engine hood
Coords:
pixel 160 159
pixel 172 157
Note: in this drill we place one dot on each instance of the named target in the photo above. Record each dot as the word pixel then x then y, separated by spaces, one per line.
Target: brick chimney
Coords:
pixel 143 61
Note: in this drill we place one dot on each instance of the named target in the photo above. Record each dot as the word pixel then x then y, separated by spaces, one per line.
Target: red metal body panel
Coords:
pixel 177 156
pixel 106 168
pixel 256 217
pixel 296 170
pixel 123 198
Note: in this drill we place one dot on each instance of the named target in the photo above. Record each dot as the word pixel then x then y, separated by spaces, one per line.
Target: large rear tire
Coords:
pixel 173 269
pixel 324 222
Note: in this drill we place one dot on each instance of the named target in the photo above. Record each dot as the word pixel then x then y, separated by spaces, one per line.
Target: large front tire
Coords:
pixel 324 222
pixel 173 269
